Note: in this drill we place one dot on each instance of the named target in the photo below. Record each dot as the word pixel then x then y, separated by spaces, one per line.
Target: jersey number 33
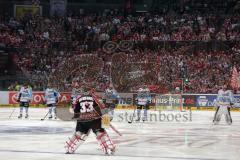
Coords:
pixel 86 107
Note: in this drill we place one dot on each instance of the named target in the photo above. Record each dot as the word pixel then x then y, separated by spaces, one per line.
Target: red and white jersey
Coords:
pixel 87 107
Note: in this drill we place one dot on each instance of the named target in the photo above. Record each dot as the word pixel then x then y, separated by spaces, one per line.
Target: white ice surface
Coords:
pixel 198 139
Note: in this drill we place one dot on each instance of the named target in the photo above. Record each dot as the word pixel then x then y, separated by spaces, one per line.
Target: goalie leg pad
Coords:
pixel 75 141
pixel 228 117
pixel 217 116
pixel 217 119
pixel 106 143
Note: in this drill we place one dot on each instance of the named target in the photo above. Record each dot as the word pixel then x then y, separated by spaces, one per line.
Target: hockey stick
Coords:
pixel 95 97
pixel 45 116
pixel 10 116
pixel 114 129
pixel 12 113
pixel 215 115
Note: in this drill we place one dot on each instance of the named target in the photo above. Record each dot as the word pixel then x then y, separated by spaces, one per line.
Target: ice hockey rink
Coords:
pixel 195 139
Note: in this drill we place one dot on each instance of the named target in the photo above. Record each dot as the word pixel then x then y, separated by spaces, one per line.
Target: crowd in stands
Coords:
pixel 47 49
pixel 207 71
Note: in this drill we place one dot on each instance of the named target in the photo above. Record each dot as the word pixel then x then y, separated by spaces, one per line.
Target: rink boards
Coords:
pixel 126 100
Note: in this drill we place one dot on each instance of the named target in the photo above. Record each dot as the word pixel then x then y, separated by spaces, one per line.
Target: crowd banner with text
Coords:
pixel 21 10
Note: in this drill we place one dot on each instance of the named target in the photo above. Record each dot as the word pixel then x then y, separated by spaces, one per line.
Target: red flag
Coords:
pixel 235 80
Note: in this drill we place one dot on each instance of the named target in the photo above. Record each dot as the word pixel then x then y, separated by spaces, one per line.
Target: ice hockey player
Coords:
pixel 87 112
pixel 143 100
pixel 223 103
pixel 51 98
pixel 24 97
pixel 110 100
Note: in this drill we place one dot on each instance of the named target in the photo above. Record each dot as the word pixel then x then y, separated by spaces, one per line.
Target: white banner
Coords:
pixel 4 98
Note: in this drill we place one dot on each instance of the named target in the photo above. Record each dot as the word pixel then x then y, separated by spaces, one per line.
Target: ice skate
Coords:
pixel 20 116
pixel 138 119
pixel 110 151
pixel 215 122
pixel 144 119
